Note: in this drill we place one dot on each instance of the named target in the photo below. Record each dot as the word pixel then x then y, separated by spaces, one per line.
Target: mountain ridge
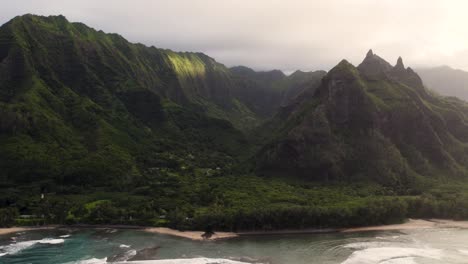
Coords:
pixel 373 104
pixel 95 129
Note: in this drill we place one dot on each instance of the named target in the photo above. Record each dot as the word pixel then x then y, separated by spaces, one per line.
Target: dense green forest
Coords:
pixel 97 130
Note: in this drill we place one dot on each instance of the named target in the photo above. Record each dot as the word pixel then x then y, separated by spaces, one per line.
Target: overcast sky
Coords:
pixel 270 34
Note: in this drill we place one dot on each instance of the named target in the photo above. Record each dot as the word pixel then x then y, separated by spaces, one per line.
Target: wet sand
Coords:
pixel 9 230
pixel 194 235
pixel 198 235
pixel 412 224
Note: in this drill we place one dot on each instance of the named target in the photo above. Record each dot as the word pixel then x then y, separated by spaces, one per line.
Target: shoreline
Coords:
pixel 193 235
pixel 16 229
pixel 410 224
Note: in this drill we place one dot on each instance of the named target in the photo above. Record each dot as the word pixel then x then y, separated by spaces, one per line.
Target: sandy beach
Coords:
pixel 9 230
pixel 194 235
pixel 408 225
pixel 198 235
pixel 412 224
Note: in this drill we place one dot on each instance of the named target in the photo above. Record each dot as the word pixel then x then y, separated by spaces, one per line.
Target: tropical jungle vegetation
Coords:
pixel 97 130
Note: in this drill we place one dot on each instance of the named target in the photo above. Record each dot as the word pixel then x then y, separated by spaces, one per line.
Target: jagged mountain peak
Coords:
pixel 399 63
pixel 371 113
pixel 373 66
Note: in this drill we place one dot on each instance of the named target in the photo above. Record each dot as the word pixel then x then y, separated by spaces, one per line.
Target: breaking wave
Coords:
pixel 16 247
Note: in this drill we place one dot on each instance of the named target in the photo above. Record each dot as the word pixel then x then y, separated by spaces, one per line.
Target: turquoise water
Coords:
pixel 120 246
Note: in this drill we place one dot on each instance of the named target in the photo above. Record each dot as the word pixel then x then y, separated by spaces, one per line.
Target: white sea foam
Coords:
pixel 51 241
pixel 163 261
pixel 364 245
pixel 19 246
pixel 410 260
pixel 16 247
pixel 185 261
pixel 90 261
pixel 392 255
pixel 387 237
pixel 65 236
pixel 124 246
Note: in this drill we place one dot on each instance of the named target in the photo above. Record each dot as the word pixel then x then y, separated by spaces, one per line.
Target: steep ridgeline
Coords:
pixel 446 81
pixel 81 106
pixel 372 122
pixel 265 92
pixel 81 58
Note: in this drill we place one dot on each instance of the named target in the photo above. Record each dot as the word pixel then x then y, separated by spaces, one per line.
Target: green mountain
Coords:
pixel 265 92
pixel 97 130
pixel 446 81
pixel 374 121
pixel 81 106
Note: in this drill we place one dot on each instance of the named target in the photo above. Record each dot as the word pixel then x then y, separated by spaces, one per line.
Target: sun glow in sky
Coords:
pixel 272 34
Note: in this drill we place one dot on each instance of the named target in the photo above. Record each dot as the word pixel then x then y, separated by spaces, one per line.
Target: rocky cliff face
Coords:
pixel 375 122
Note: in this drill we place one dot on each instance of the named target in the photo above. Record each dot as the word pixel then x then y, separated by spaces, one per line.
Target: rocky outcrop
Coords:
pixel 406 76
pixel 374 67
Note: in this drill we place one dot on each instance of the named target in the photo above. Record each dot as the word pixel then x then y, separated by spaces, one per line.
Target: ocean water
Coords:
pixel 82 246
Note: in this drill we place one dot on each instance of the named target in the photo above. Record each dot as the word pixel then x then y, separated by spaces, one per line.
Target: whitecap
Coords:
pixel 14 248
pixel 51 241
pixel 124 246
pixel 90 261
pixel 65 236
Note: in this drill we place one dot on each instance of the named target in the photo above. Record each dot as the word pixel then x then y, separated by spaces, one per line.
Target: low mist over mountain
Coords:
pixel 446 81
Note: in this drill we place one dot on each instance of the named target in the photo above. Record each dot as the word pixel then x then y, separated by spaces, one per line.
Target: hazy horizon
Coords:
pixel 266 35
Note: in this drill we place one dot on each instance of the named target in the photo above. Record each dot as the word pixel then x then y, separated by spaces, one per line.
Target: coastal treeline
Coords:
pixel 232 204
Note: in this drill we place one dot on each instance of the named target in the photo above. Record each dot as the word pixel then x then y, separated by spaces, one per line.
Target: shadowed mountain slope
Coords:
pixel 80 105
pixel 374 121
